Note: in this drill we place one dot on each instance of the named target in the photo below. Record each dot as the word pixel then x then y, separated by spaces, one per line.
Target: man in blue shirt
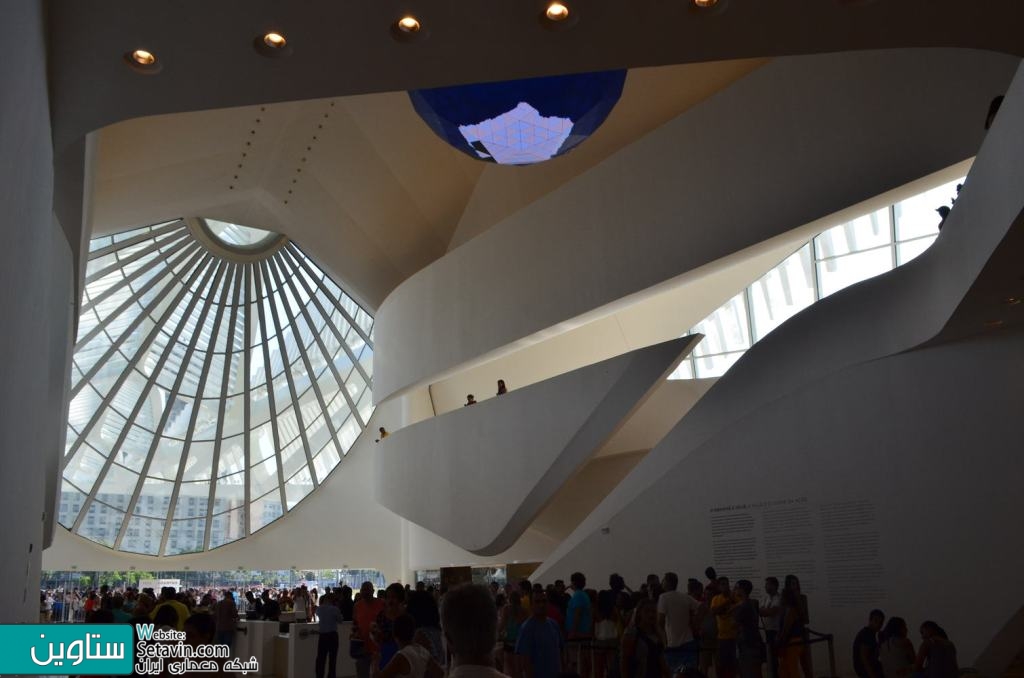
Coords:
pixel 328 615
pixel 540 642
pixel 579 626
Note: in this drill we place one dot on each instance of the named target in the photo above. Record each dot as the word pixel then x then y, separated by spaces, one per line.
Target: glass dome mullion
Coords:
pixel 219 435
pixel 328 420
pixel 301 259
pixel 268 377
pixel 209 267
pixel 193 416
pixel 151 232
pixel 155 246
pixel 344 345
pixel 193 253
pixel 126 373
pixel 268 271
pixel 139 404
pixel 126 281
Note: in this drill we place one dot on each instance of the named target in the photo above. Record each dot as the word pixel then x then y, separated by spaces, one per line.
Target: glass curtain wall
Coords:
pixel 834 259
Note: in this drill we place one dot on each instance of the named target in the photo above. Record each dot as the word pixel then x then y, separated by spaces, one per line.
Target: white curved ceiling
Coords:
pixel 360 182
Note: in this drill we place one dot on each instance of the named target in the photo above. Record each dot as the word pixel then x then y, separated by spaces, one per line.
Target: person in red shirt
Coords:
pixel 554 611
pixel 363 616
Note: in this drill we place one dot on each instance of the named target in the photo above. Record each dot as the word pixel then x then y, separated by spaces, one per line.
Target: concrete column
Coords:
pixel 36 305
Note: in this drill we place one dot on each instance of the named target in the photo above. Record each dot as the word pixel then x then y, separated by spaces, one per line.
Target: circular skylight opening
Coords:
pixel 240 237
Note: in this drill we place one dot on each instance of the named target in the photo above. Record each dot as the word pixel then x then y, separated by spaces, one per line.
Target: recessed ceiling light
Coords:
pixel 143 61
pixel 556 11
pixel 274 40
pixel 1011 301
pixel 704 4
pixel 409 24
pixel 272 45
pixel 143 57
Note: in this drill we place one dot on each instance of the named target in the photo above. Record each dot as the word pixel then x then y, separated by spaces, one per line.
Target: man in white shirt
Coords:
pixel 469 622
pixel 676 616
pixel 771 606
pixel 300 603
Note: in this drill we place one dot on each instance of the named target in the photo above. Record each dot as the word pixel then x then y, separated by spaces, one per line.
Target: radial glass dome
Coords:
pixel 520 122
pixel 218 377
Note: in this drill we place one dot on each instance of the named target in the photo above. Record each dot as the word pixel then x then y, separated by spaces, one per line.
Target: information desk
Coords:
pixel 291 654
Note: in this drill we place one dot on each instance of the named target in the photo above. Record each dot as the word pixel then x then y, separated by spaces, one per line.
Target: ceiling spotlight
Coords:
pixel 409 24
pixel 272 45
pixel 704 4
pixel 143 61
pixel 556 11
pixel 274 40
pixel 143 58
pixel 1011 301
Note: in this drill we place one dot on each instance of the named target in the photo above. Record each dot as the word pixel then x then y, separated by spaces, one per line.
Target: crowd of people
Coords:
pixel 75 605
pixel 714 627
pixel 526 630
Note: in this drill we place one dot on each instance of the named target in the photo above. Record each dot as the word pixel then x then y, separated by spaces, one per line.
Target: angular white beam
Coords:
pixel 492 467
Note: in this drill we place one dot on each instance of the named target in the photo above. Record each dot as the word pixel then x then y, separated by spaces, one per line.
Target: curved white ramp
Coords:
pixel 478 476
pixel 851 448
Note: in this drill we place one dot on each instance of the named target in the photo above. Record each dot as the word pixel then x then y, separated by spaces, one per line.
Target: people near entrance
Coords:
pixel 726 630
pixel 382 630
pixel 168 599
pixel 301 604
pixel 225 614
pixel 579 626
pixel 365 612
pixel 328 618
pixel 502 389
pixel 789 643
pixel 510 620
pixel 383 434
pixel 750 649
pixel 423 608
pixel 771 607
pixel 643 652
pixel 865 647
pixel 895 650
pixel 806 665
pixel 470 400
pixel 654 631
pixel 411 659
pixel 539 643
pixel 677 614
pixel 936 658
pixel 469 620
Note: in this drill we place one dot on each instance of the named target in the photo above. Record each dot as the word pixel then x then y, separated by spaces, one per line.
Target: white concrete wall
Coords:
pixel 440 473
pixel 798 139
pixel 35 307
pixel 929 439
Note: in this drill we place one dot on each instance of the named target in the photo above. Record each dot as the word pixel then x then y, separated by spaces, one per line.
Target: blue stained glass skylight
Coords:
pixel 520 122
